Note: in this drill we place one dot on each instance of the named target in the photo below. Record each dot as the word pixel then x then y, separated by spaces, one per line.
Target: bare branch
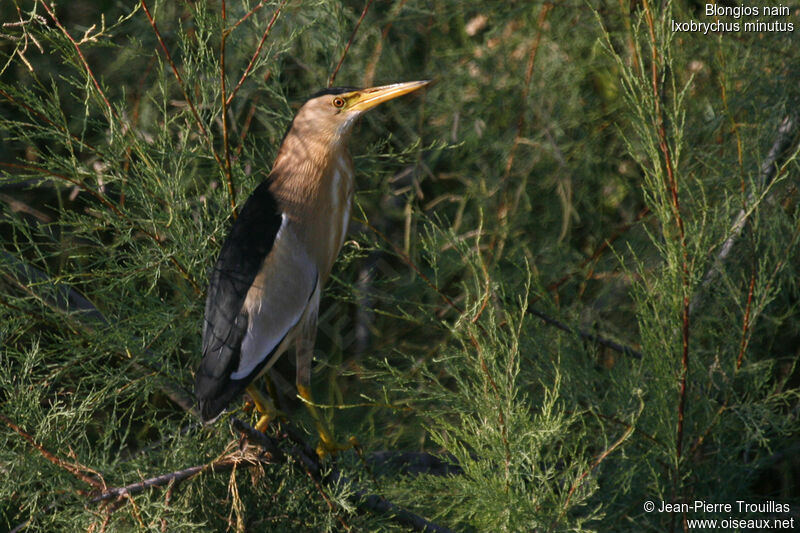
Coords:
pixel 163 479
pixel 79 471
pixel 617 347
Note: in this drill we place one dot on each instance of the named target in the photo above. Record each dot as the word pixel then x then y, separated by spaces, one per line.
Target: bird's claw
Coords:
pixel 267 418
pixel 265 407
pixel 328 446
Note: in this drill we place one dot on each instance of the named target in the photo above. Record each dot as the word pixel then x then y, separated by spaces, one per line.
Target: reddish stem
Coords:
pixel 349 42
pixel 253 59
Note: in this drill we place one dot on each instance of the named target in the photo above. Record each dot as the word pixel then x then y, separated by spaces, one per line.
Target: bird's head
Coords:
pixel 332 112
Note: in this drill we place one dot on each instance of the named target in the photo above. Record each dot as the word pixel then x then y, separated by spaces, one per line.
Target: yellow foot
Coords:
pixel 264 421
pixel 266 407
pixel 327 446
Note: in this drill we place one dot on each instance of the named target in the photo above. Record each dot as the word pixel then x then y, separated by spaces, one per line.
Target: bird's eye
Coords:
pixel 338 102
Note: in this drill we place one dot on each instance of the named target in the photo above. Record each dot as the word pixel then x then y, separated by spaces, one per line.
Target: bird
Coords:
pixel 264 289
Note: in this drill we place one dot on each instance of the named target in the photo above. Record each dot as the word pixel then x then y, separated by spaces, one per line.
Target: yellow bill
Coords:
pixel 366 99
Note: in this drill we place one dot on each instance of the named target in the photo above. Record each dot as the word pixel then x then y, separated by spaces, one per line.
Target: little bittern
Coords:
pixel 264 290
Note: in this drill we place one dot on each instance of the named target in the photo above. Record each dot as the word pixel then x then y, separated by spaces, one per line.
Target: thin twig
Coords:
pixel 81 185
pixel 672 188
pixel 246 127
pixel 349 42
pixel 167 499
pixel 487 280
pixel 22 526
pixel 253 59
pixel 626 425
pixel 369 71
pixel 502 212
pixel 72 468
pixel 625 16
pixel 549 320
pixel 746 320
pixel 771 168
pixel 247 15
pixel 370 502
pixel 617 347
pixel 89 72
pixel 605 245
pixel 182 84
pixel 224 102
pixel 66 299
pixel 407 260
pixel 545 9
pixel 746 324
pixel 600 458
pixel 501 418
pixel 306 456
pixel 116 210
pixel 45 118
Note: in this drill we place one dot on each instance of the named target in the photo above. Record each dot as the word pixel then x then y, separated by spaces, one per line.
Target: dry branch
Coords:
pixel 303 454
pixel 306 456
pixel 79 471
pixel 617 347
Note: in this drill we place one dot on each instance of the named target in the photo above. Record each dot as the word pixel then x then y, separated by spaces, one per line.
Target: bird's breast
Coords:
pixel 316 194
pixel 320 209
pixel 333 215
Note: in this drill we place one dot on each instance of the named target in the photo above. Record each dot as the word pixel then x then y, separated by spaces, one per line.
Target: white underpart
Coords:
pixel 277 300
pixel 348 198
pixel 336 183
pixel 341 192
pixel 345 220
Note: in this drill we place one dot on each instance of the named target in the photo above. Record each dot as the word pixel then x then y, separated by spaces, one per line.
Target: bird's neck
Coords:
pixel 305 164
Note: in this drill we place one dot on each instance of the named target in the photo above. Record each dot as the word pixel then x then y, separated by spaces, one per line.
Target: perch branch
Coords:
pixel 305 455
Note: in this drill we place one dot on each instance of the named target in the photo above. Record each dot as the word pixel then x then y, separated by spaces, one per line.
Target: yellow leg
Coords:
pixel 327 444
pixel 265 406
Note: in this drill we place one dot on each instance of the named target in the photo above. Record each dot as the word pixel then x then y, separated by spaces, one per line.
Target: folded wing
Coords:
pixel 258 292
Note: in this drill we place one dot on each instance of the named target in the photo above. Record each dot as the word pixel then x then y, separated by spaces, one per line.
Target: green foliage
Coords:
pixel 580 161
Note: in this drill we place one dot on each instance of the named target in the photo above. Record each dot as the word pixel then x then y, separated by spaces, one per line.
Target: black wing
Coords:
pixel 250 240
